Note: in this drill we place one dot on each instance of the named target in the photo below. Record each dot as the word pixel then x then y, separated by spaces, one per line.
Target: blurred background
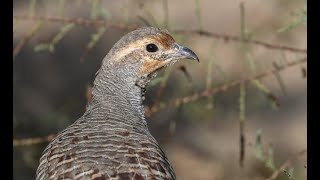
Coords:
pixel 238 114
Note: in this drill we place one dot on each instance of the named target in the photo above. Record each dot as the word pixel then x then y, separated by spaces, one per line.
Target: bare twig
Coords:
pixel 286 164
pixel 31 141
pixel 96 23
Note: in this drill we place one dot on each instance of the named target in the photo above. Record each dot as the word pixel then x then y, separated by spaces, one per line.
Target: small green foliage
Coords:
pixel 41 47
pixel 242 21
pixel 198 14
pixel 105 14
pixel 270 158
pixel 32 7
pixel 166 14
pixel 251 61
pixel 266 157
pixel 61 7
pixel 259 85
pixel 125 15
pixel 56 39
pixel 96 36
pixel 95 10
pixel 242 102
pixel 289 172
pixel 63 31
pixel 258 150
pixel 298 19
pixel 155 81
pixel 280 80
pixel 51 48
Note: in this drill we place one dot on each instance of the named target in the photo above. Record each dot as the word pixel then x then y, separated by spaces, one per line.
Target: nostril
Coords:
pixel 176 46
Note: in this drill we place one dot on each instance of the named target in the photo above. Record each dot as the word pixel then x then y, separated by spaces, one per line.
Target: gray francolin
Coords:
pixel 111 140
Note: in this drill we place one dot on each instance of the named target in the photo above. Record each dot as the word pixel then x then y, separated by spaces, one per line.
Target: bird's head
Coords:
pixel 141 53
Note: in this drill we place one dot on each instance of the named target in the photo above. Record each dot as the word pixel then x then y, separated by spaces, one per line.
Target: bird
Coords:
pixel 111 139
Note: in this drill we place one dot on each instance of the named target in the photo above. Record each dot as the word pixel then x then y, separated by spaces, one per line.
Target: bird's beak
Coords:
pixel 184 53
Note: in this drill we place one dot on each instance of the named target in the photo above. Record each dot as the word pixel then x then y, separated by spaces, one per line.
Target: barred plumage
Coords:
pixel 111 140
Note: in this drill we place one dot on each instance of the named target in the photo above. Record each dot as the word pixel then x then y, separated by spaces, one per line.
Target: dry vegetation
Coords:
pixel 238 114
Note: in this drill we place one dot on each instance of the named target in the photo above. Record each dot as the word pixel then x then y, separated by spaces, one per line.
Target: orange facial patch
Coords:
pixel 164 39
pixel 151 65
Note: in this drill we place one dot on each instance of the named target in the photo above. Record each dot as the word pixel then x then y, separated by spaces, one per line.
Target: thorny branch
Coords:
pixel 31 141
pixel 177 102
pixel 26 38
pixel 97 23
pixel 238 39
pixel 78 21
pixel 286 164
pixel 209 92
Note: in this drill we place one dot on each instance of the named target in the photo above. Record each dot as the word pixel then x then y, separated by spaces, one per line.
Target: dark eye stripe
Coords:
pixel 152 48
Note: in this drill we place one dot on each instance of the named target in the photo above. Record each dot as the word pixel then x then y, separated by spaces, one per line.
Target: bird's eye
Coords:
pixel 152 48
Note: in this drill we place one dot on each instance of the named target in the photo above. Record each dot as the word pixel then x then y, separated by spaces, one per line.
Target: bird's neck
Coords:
pixel 116 91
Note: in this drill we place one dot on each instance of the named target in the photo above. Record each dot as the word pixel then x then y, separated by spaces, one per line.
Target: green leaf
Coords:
pixel 242 102
pixel 198 13
pixel 250 61
pixel 94 9
pixel 258 150
pixel 51 48
pixel 63 31
pixel 301 18
pixel 32 7
pixel 41 47
pixel 96 36
pixel 156 81
pixel 280 80
pixel 290 172
pixel 267 92
pixel 61 7
pixel 270 160
pixel 125 15
pixel 104 13
pixel 293 24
